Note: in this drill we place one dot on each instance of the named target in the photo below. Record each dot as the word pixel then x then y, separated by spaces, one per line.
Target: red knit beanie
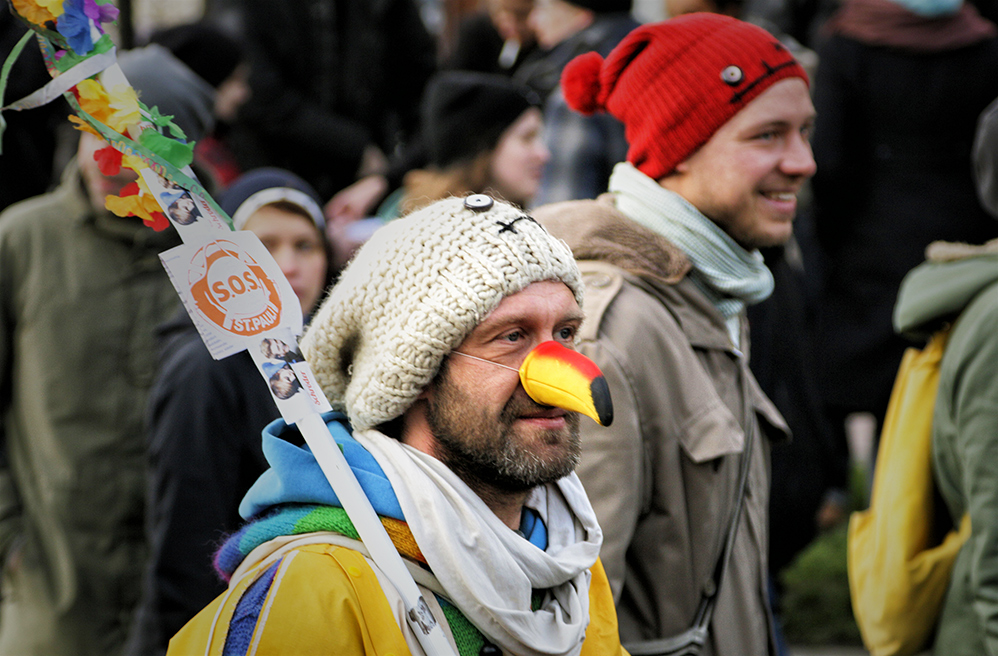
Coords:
pixel 674 83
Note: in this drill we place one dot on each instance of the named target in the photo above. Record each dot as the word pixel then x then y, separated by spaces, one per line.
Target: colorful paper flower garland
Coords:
pixel 69 32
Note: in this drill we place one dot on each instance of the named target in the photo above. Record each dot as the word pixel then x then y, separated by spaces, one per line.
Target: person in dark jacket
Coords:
pixel 899 88
pixel 583 148
pixel 336 86
pixel 205 417
pixel 496 39
pixel 30 142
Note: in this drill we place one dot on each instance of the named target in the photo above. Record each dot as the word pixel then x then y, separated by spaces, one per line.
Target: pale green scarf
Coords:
pixel 729 275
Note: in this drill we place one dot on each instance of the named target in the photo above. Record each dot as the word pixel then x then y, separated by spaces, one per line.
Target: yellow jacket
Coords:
pixel 326 597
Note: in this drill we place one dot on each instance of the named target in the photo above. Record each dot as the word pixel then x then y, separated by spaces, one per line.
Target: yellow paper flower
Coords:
pixel 94 100
pixel 35 12
pixel 125 108
pixel 53 6
pixel 82 125
pixel 130 206
pixel 134 162
pixel 143 204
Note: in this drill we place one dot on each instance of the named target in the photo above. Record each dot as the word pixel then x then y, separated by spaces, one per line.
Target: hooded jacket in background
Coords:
pixel 195 113
pixel 964 432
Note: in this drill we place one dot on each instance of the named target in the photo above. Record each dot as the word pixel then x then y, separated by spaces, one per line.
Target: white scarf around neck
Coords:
pixel 489 570
pixel 731 276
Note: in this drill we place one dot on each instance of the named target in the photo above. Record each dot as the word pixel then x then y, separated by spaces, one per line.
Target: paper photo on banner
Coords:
pixel 288 375
pixel 280 348
pixel 180 205
pixel 233 290
pixel 188 212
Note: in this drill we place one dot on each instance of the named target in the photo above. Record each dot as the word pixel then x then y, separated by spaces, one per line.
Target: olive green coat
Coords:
pixel 964 435
pixel 80 295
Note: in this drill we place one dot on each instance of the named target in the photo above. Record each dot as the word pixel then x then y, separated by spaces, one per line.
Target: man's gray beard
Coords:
pixel 488 451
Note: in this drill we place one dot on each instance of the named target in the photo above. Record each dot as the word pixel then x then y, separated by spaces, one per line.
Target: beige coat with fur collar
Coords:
pixel 663 478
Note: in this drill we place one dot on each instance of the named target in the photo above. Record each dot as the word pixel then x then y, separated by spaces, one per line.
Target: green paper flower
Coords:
pixel 175 152
pixel 165 122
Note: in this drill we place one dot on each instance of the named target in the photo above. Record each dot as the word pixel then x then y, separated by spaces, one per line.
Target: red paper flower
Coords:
pixel 108 161
pixel 159 222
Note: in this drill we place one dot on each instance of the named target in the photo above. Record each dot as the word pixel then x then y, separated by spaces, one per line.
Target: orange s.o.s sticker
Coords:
pixel 232 291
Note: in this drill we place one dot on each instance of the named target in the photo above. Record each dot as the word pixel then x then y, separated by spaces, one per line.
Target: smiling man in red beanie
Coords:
pixel 717 115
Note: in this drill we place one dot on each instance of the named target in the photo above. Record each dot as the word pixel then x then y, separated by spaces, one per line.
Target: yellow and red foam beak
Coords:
pixel 560 377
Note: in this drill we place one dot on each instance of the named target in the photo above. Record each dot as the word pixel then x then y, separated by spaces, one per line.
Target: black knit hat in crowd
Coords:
pixel 264 186
pixel 465 113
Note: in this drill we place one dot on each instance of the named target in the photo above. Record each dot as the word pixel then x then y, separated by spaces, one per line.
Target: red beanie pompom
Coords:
pixel 580 83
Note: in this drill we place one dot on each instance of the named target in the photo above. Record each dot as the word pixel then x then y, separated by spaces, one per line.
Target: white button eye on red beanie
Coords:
pixel 673 84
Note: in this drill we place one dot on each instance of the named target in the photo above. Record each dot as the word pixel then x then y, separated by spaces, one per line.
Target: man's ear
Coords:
pixel 671 181
pixel 682 167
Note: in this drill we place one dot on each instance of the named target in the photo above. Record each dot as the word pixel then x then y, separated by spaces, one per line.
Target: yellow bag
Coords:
pixel 897 580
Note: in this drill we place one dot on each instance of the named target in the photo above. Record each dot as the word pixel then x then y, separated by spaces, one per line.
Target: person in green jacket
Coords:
pixel 81 291
pixel 958 284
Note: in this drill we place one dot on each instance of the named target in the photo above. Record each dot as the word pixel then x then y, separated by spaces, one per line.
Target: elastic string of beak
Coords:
pixel 475 357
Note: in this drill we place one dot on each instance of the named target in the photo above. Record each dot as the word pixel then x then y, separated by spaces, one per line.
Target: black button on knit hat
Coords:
pixel 465 113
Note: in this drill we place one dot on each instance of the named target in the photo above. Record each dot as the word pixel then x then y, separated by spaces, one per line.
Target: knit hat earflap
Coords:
pixel 414 291
pixel 673 84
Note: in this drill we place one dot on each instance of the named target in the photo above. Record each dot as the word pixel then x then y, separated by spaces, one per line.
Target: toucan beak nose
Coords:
pixel 560 377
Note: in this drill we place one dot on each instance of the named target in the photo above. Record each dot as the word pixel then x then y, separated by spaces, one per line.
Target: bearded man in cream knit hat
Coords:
pixel 421 345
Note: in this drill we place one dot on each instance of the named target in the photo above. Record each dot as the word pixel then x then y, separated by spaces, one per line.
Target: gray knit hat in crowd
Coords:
pixel 412 294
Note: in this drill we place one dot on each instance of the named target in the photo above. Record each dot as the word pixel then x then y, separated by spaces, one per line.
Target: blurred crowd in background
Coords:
pixel 373 108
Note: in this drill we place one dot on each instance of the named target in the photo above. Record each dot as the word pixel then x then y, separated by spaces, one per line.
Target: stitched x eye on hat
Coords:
pixel 414 291
pixel 674 83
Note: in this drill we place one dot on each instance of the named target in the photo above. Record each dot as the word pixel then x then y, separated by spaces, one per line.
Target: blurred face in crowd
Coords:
pixel 553 21
pixel 519 158
pixel 747 176
pixel 296 244
pixel 97 184
pixel 232 93
pixel 483 424
pixel 510 20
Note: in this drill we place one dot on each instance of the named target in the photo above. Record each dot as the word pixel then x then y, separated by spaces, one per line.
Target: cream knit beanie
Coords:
pixel 412 294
